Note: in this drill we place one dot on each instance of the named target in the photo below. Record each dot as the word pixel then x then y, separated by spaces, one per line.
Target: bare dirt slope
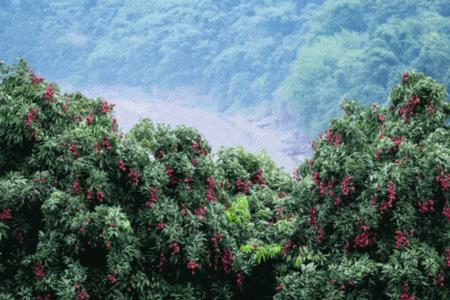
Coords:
pixel 269 133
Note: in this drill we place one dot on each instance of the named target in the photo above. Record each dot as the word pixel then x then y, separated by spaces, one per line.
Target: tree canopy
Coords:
pixel 86 212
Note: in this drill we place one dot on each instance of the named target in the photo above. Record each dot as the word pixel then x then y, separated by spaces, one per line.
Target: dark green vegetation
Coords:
pixel 88 214
pixel 85 213
pixel 313 53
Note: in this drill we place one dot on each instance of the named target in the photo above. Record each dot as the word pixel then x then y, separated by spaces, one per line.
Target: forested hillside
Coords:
pixel 313 53
pixel 239 51
pixel 357 49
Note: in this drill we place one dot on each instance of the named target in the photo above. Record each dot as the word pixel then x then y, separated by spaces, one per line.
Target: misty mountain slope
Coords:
pixel 240 54
pixel 238 51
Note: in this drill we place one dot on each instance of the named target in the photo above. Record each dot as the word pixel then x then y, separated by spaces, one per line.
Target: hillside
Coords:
pixel 238 51
pixel 241 54
pixel 355 49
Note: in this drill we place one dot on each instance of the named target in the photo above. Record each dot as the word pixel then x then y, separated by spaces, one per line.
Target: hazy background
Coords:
pixel 266 74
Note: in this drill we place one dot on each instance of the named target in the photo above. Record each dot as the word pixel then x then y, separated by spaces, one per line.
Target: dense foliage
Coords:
pixel 313 53
pixel 86 213
pixel 374 201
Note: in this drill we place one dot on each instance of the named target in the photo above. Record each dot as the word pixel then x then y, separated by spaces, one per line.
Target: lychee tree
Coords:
pixel 373 202
pixel 87 213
